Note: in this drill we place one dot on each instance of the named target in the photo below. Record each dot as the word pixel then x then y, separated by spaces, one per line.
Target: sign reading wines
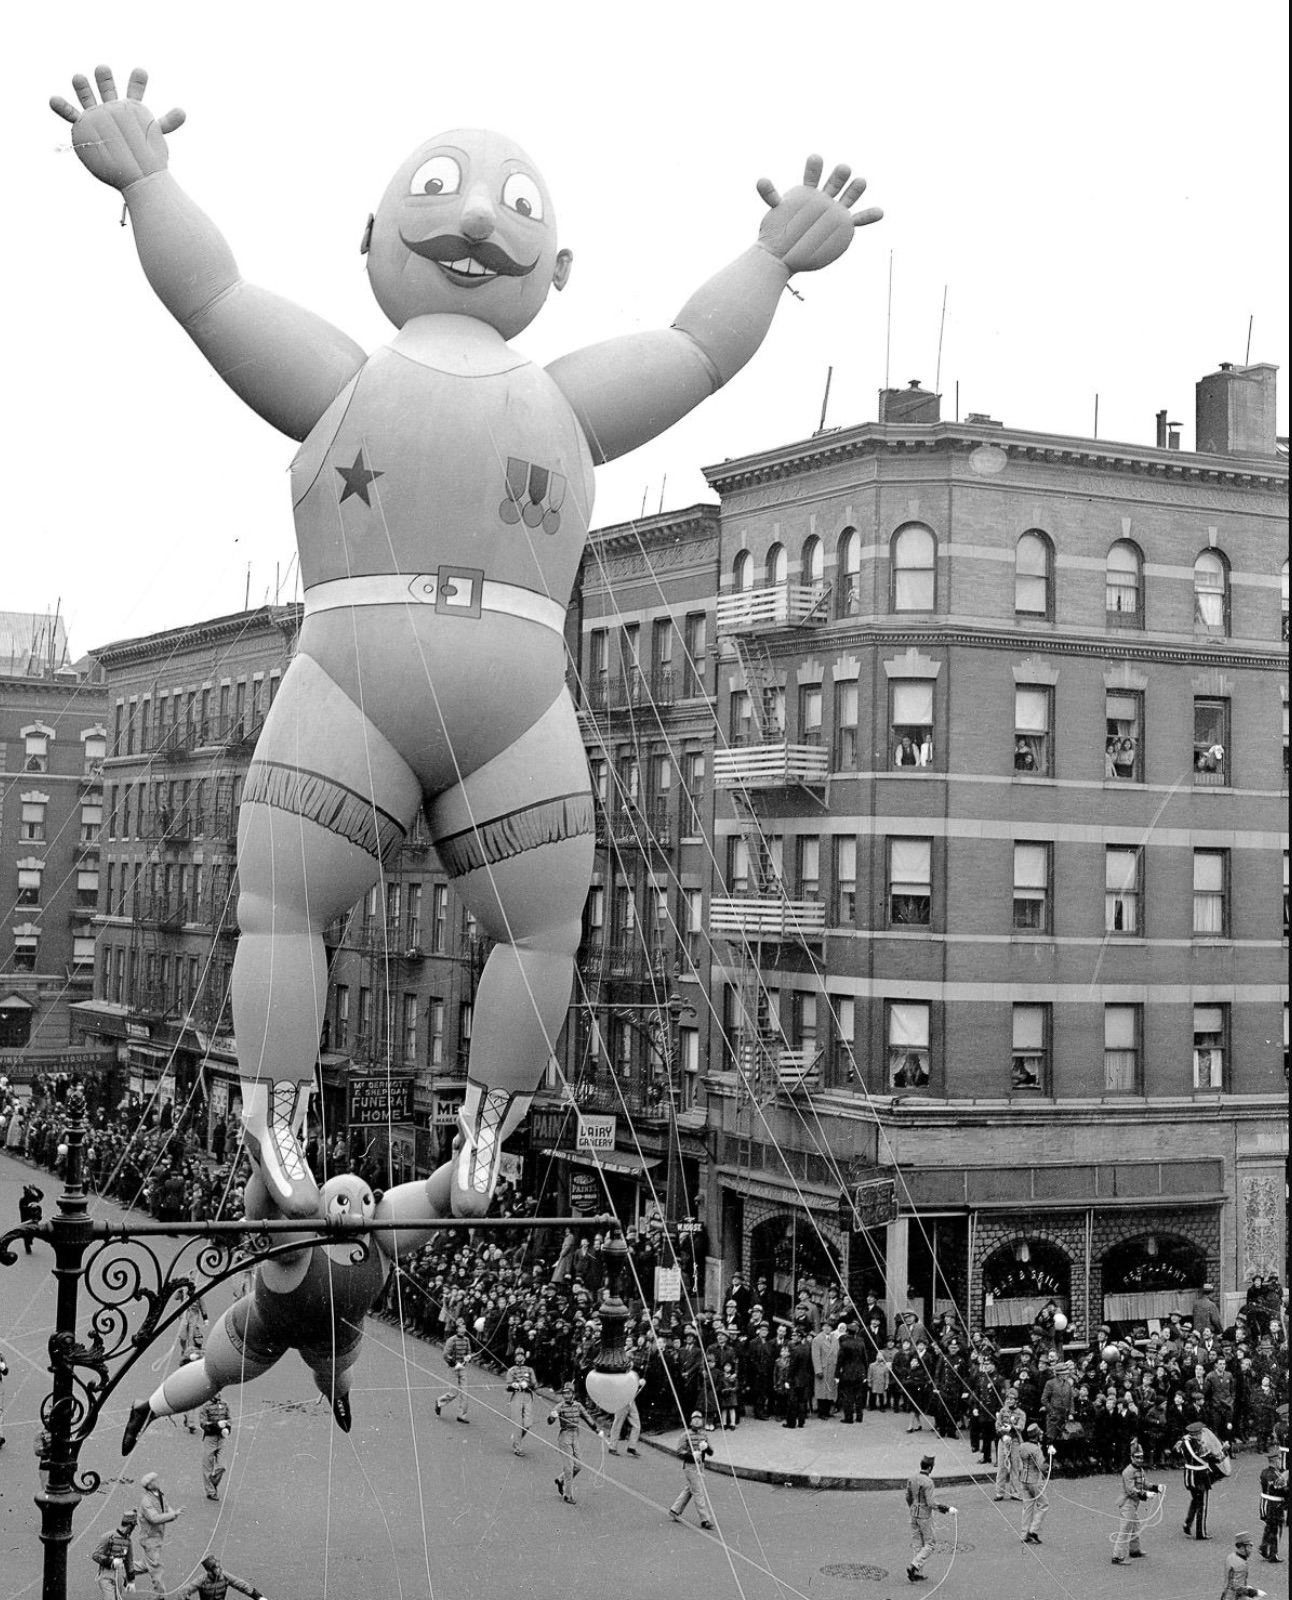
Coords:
pixel 374 1102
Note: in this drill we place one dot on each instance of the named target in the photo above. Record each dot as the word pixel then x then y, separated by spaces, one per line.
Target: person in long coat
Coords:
pixel 825 1361
pixel 799 1381
pixel 851 1372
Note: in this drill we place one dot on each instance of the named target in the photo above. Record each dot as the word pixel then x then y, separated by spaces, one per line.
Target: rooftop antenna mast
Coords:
pixel 825 399
pixel 888 333
pixel 1247 359
pixel 937 379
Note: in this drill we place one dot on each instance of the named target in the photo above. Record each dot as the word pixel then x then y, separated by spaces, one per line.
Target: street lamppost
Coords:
pixel 137 1297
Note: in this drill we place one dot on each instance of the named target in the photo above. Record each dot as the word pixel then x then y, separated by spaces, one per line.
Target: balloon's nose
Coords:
pixel 478 217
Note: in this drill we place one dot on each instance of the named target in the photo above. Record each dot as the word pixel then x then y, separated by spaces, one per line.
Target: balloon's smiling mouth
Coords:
pixel 468 264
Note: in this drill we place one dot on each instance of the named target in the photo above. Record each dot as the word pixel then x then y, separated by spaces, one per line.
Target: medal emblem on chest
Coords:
pixel 534 496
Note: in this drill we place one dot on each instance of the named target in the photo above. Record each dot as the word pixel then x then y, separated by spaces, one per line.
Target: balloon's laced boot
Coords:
pixel 487 1117
pixel 269 1117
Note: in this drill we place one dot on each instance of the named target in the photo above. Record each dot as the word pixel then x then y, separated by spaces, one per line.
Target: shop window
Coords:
pixel 1210 743
pixel 1030 1060
pixel 1123 740
pixel 1122 1049
pixel 1123 889
pixel 908 1044
pixel 1211 593
pixel 911 717
pixel 1032 888
pixel 846 702
pixel 912 565
pixel 845 882
pixel 810 711
pixel 1124 586
pixel 1034 576
pixel 1033 709
pixel 910 882
pixel 1210 893
pixel 1210 1046
pixel 848 567
pixel 15 1025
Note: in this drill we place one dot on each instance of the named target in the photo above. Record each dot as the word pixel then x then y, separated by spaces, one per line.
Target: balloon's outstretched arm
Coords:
pixel 424 1200
pixel 287 363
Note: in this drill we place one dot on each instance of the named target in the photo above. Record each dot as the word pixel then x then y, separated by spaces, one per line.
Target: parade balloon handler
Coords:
pixel 694 1450
pixel 216 1583
pixel 1135 1493
pixel 570 1412
pixel 313 1300
pixel 920 1491
pixel 114 1557
pixel 442 497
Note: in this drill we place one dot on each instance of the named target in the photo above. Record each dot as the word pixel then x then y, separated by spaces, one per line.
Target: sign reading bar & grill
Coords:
pixel 374 1102
pixel 867 1205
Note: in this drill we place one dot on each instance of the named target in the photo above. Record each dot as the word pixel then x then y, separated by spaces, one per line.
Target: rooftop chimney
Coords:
pixel 911 404
pixel 1236 411
pixel 1173 435
pixel 1161 430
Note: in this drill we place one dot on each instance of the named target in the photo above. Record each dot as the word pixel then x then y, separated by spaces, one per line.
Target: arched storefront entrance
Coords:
pixel 788 1250
pixel 1017 1280
pixel 1149 1276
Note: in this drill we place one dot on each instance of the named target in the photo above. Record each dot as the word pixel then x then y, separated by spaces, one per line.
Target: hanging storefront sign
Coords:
pixel 596 1134
pixel 585 1193
pixel 668 1283
pixel 869 1204
pixel 374 1102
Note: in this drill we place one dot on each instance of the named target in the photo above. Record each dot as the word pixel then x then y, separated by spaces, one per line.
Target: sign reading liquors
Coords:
pixel 596 1134
pixel 375 1102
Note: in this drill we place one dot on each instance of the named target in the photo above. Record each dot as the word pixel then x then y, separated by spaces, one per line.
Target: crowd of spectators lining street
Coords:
pixel 536 1290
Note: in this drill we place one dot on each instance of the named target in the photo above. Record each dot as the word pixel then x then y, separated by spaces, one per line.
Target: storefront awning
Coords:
pixel 627 1162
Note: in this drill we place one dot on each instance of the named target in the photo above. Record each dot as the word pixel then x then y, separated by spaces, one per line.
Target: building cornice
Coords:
pixel 670 527
pixel 286 619
pixel 874 439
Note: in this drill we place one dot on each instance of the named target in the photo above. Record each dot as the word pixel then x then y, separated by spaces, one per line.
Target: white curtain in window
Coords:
pixel 1031 711
pixel 846 860
pixel 1119 1027
pixel 1031 571
pixel 908 1025
pixel 1031 866
pixel 911 864
pixel 29 877
pixel 913 703
pixel 1029 1028
pixel 1208 891
pixel 812 560
pixel 845 1010
pixel 847 703
pixel 1121 872
pixel 1122 579
pixel 1209 590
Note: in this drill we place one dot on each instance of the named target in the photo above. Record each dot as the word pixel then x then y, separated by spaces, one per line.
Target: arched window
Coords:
pixel 913 556
pixel 1033 576
pixel 848 567
pixel 778 566
pixel 814 561
pixel 1211 592
pixel 1123 586
pixel 742 571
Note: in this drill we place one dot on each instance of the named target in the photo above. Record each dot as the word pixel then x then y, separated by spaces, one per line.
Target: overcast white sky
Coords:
pixel 1101 189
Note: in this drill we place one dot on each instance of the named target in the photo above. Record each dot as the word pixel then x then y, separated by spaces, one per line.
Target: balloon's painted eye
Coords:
pixel 439 175
pixel 520 193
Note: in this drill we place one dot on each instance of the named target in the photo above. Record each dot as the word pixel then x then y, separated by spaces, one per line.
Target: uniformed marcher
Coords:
pixel 114 1556
pixel 570 1412
pixel 1033 1475
pixel 457 1352
pixel 1237 1586
pixel 1274 1504
pixel 920 1490
pixel 216 1425
pixel 1197 1480
pixel 1135 1491
pixel 1011 1419
pixel 522 1381
pixel 694 1449
pixel 630 1416
pixel 216 1583
pixel 154 1515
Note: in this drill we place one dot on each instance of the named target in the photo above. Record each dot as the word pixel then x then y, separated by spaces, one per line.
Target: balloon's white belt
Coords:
pixel 451 591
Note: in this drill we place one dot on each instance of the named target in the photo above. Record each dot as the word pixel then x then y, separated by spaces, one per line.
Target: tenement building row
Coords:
pixel 937 938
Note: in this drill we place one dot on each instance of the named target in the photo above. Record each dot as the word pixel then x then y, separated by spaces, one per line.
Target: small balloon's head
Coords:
pixel 347 1198
pixel 466 227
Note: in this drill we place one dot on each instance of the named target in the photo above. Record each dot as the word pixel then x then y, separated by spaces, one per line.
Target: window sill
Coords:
pixel 1024 936
pixel 1209 941
pixel 1033 777
pixel 1124 938
pixel 1123 783
pixel 912 772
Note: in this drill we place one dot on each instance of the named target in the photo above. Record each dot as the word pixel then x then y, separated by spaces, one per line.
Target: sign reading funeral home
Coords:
pixel 374 1102
pixel 867 1205
pixel 596 1134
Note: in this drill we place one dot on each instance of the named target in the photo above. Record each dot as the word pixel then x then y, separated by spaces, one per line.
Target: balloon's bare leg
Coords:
pixel 516 838
pixel 326 797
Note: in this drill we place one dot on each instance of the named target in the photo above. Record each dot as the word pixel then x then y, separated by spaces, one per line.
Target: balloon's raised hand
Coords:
pixel 810 227
pixel 119 141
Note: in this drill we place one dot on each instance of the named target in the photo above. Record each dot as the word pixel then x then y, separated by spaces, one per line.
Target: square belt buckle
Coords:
pixel 459 591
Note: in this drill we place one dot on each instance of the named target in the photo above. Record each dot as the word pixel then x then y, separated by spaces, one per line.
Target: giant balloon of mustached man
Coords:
pixel 442 495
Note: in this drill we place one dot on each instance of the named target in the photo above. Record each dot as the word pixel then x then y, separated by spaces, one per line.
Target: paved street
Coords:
pixel 409 1505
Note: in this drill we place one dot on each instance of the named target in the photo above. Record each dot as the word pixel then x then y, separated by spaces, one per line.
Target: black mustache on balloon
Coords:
pixel 448 247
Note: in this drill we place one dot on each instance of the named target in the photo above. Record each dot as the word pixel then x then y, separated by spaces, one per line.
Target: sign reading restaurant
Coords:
pixel 374 1102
